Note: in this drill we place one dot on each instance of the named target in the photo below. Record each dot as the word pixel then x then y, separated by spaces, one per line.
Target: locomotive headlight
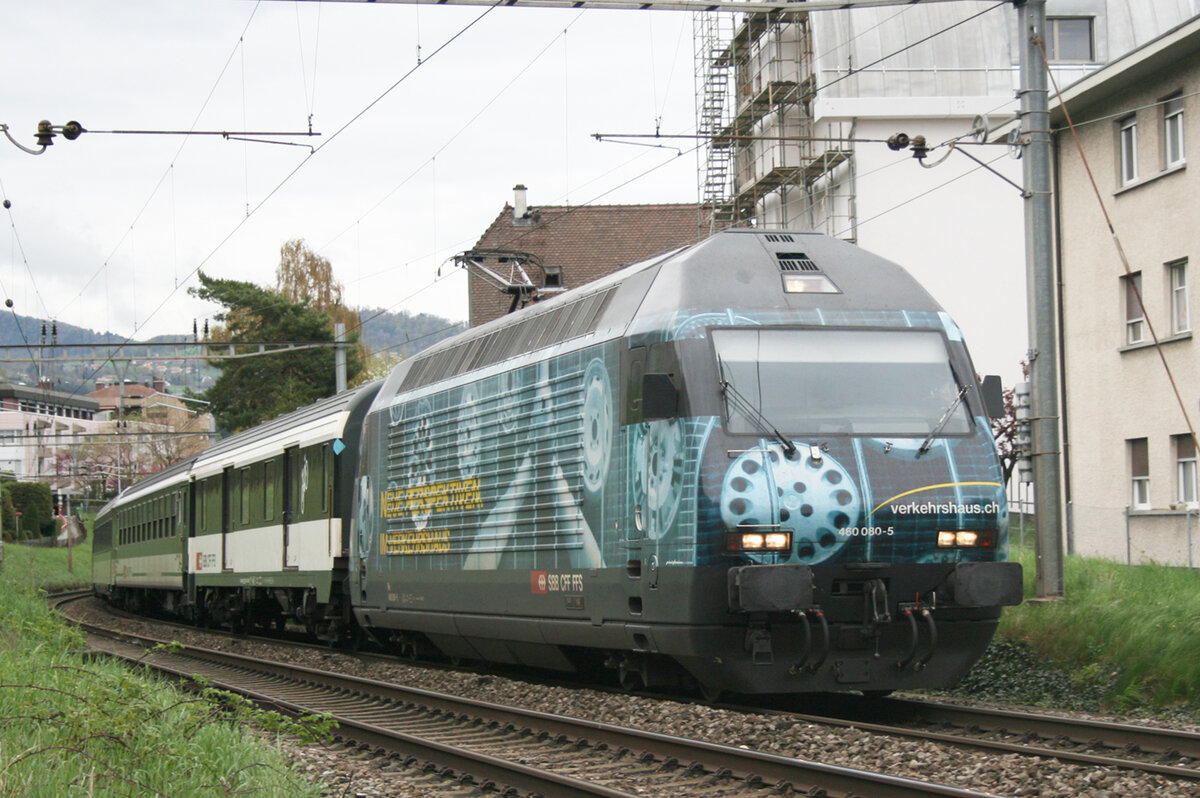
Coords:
pixel 963 539
pixel 777 540
pixel 740 540
pixel 753 540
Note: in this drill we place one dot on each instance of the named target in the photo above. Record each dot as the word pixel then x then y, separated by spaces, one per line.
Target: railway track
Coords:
pixel 1169 753
pixel 530 751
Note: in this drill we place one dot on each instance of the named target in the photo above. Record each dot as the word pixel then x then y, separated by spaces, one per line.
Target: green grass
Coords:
pixel 1122 637
pixel 70 725
pixel 49 569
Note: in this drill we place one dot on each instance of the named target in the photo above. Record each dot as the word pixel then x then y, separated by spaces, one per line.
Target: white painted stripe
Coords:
pixel 154 570
pixel 313 545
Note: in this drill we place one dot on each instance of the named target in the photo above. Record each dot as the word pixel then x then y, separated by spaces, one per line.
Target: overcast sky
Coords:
pixel 107 231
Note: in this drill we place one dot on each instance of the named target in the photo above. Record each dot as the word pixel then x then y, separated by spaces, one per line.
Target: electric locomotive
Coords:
pixel 759 464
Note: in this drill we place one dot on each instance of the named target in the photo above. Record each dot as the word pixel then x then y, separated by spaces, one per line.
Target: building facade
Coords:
pixel 800 107
pixel 1131 366
pixel 41 431
pixel 87 447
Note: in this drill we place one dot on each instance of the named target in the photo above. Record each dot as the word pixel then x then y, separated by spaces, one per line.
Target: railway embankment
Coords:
pixel 1121 642
pixel 80 726
pixel 1122 639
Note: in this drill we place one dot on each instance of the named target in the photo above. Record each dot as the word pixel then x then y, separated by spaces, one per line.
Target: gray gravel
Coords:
pixel 353 773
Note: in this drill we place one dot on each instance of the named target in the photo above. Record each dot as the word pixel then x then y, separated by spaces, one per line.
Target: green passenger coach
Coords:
pixel 249 532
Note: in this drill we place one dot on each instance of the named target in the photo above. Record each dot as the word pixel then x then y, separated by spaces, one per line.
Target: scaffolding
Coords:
pixel 766 162
pixel 712 36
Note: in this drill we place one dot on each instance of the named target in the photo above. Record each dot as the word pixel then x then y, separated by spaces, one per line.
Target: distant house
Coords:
pixel 531 252
pixel 1132 473
pixel 39 428
pixel 146 428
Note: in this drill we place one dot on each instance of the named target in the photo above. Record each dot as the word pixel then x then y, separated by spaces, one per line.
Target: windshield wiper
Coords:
pixel 924 447
pixel 749 410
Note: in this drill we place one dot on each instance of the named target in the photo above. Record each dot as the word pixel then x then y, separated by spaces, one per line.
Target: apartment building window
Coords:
pixel 1135 318
pixel 1181 316
pixel 1127 147
pixel 1185 470
pixel 1069 39
pixel 1139 473
pixel 1173 151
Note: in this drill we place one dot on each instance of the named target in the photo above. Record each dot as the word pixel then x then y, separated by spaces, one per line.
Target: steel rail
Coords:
pixel 465 761
pixel 1081 732
pixel 750 765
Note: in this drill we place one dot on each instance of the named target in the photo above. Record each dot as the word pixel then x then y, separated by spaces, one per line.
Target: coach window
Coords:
pixel 244 493
pixel 202 507
pixel 326 476
pixel 1139 473
pixel 269 491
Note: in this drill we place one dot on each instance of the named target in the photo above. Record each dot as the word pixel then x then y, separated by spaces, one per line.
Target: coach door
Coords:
pixel 191 521
pixel 226 517
pixel 291 507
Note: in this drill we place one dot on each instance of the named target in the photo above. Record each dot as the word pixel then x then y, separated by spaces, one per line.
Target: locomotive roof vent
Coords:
pixel 779 237
pixel 796 262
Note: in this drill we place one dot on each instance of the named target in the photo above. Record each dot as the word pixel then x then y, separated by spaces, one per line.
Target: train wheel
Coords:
pixel 711 693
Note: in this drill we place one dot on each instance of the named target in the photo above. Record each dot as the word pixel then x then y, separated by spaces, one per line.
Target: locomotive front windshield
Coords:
pixel 831 382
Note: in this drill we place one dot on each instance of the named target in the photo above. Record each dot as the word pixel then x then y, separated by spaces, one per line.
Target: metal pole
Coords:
pixel 339 355
pixel 1042 300
pixel 1021 506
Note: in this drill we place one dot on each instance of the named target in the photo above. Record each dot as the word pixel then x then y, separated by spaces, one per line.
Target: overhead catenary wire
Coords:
pixel 290 175
pixel 465 126
pixel 16 238
pixel 928 191
pixel 154 191
pixel 855 70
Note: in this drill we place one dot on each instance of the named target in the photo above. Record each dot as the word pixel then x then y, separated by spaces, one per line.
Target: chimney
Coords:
pixel 520 206
pixel 159 385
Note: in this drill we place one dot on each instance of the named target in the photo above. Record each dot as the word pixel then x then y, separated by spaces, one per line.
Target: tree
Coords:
pixel 305 277
pixel 8 513
pixel 35 502
pixel 254 389
pixel 1004 429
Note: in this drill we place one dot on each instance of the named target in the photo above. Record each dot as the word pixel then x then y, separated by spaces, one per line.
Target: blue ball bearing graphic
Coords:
pixel 814 498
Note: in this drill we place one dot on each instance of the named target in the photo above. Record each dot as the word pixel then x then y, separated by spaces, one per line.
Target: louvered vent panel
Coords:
pixel 796 262
pixel 779 237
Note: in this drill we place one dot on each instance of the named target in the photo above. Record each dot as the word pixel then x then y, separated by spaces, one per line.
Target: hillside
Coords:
pixel 399 333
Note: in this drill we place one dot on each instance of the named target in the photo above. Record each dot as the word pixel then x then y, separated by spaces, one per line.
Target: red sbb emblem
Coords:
pixel 538 582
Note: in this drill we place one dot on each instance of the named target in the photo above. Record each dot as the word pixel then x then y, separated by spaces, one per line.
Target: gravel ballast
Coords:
pixel 350 772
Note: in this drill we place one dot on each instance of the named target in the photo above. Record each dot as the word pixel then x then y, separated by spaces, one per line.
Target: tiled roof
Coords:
pixel 586 242
pixel 132 390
